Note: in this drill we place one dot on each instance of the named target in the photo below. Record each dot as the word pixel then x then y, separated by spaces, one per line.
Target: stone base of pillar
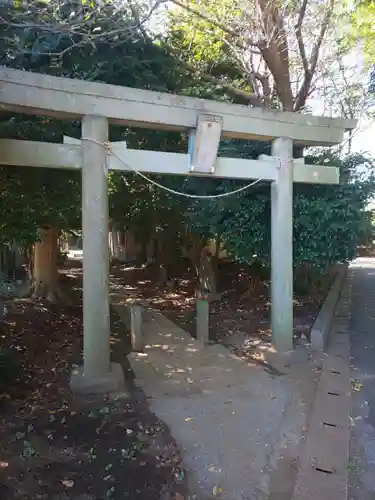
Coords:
pixel 114 381
pixel 203 321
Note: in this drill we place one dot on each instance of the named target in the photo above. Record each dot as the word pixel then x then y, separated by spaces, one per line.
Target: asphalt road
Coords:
pixel 362 453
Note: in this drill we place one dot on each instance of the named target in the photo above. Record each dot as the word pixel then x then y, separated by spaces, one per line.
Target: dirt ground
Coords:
pixel 57 446
pixel 239 320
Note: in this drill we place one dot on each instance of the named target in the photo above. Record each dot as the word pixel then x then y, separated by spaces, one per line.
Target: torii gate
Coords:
pixel 97 105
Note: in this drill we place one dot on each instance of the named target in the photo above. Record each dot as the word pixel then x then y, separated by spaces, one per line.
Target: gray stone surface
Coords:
pixel 322 324
pixel 323 461
pixel 136 327
pixel 362 459
pixel 203 321
pixel 96 328
pixel 282 246
pixel 113 381
pixel 237 424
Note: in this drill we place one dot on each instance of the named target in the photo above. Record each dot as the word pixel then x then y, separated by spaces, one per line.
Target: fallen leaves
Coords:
pixel 111 443
pixel 68 483
pixel 356 385
pixel 217 490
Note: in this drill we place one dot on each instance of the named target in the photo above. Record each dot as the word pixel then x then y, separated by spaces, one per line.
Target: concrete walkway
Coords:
pixel 239 426
pixel 362 461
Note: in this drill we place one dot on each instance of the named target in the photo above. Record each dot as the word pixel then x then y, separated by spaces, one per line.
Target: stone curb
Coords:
pixel 322 324
pixel 323 462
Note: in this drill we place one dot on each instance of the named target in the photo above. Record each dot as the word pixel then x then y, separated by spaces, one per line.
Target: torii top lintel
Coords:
pixel 37 94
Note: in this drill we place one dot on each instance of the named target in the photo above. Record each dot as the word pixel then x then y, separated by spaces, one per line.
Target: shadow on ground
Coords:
pixel 57 446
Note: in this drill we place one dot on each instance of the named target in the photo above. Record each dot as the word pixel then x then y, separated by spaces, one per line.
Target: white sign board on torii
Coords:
pixel 98 105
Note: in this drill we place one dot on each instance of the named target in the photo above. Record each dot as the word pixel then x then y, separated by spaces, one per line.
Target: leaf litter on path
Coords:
pixel 73 446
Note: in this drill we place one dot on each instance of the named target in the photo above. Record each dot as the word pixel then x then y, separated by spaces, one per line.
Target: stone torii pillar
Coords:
pixel 282 246
pixel 63 98
pixel 98 374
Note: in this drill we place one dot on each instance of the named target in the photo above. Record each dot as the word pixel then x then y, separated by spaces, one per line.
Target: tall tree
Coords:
pixel 52 197
pixel 206 52
pixel 36 203
pixel 277 47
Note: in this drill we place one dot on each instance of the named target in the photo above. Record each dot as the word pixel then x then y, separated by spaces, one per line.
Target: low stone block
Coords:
pixel 136 328
pixel 113 381
pixel 322 325
pixel 203 319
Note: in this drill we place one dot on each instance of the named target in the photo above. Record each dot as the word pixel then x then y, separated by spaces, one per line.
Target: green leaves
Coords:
pixel 328 221
pixel 31 197
pixel 363 22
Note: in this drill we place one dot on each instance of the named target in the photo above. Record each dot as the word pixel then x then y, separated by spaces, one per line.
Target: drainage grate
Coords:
pixel 325 471
pixel 327 424
pixel 327 441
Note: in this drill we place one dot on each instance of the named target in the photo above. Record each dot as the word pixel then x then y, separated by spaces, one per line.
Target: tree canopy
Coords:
pixel 195 57
pixel 53 197
pixel 363 22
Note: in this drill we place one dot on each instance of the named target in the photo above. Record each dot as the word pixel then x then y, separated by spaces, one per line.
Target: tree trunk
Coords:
pixel 207 275
pixel 11 271
pixel 163 258
pixel 143 253
pixel 202 262
pixel 45 273
pixel 29 258
pixel 116 244
pixel 216 257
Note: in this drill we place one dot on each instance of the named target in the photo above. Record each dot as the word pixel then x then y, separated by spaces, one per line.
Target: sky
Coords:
pixel 364 140
pixel 364 136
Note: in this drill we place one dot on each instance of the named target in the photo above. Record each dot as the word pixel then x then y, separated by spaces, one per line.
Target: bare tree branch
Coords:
pixel 81 28
pixel 235 46
pixel 303 92
pixel 233 43
pixel 214 22
pixel 323 29
pixel 135 12
pixel 276 52
pixel 233 91
pixel 264 80
pixel 298 30
pixel 274 45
